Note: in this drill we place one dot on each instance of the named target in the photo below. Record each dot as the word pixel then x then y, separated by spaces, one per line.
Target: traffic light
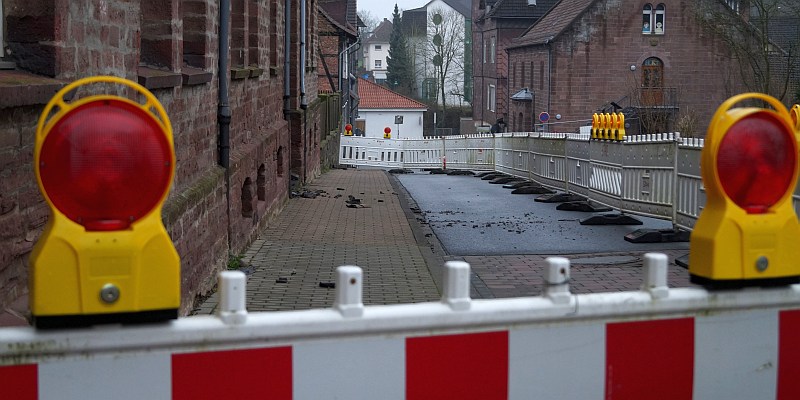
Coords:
pixel 104 164
pixel 747 233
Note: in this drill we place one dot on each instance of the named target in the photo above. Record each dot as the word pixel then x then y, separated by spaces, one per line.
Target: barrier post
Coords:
pixel 676 142
pixel 348 291
pixel 556 280
pixel 655 275
pixel 232 305
pixel 444 153
pixel 456 285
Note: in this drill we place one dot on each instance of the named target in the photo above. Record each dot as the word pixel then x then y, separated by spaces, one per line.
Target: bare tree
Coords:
pixel 762 37
pixel 446 51
pixel 369 20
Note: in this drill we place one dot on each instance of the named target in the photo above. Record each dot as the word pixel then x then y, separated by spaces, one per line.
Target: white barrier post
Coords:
pixel 232 306
pixel 456 285
pixel 556 280
pixel 655 275
pixel 348 291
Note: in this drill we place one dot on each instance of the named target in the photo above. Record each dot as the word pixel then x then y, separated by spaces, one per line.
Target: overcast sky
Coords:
pixel 381 9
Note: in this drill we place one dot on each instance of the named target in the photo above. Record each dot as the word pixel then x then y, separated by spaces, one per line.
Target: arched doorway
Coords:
pixel 652 82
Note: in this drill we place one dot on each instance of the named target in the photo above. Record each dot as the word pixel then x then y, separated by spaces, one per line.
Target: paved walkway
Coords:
pixel 311 237
pixel 388 237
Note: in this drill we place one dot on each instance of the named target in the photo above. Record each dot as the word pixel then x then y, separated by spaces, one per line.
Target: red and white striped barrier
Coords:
pixel 656 343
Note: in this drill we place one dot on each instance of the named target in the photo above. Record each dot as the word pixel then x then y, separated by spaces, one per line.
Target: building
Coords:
pixel 495 24
pixel 653 60
pixel 339 46
pixel 376 51
pixel 380 108
pixel 453 48
pixel 241 137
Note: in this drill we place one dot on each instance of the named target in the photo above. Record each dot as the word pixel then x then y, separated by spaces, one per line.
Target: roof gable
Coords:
pixel 374 96
pixel 382 33
pixel 554 22
pixel 519 9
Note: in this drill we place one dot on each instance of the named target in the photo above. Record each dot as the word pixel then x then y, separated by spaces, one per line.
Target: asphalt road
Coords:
pixel 470 216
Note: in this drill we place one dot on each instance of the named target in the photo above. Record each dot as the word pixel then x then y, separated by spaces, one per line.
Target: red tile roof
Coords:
pixel 374 96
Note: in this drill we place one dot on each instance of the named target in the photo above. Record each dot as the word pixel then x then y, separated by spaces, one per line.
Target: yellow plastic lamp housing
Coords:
pixel 104 165
pixel 748 233
pixel 795 114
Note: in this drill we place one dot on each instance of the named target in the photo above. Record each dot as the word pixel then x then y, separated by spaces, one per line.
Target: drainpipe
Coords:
pixel 344 77
pixel 224 109
pixel 287 42
pixel 483 80
pixel 303 102
pixel 549 77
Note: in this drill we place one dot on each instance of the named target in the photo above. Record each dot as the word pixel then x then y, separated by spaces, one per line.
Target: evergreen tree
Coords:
pixel 399 71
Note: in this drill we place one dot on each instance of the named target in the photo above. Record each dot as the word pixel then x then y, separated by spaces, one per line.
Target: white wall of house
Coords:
pixel 375 56
pixel 375 120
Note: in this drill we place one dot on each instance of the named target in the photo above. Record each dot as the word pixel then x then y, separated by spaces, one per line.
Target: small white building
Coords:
pixel 379 108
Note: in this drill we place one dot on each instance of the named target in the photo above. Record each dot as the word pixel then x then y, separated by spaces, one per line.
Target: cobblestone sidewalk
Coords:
pixel 312 236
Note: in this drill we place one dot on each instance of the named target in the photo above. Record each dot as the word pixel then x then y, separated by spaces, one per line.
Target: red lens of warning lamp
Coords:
pixel 348 127
pixel 755 162
pixel 105 165
pixel 387 130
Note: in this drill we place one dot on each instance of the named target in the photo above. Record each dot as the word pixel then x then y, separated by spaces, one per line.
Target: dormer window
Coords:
pixel 377 47
pixel 653 20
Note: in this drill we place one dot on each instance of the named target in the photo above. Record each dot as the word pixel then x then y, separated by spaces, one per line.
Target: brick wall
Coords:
pixel 592 62
pixel 207 220
pixel 22 211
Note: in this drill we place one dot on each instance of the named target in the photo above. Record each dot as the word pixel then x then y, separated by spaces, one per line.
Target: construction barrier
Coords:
pixel 682 343
pixel 650 175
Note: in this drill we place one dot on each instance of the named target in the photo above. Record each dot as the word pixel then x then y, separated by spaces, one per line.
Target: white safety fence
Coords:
pixel 651 175
pixel 657 342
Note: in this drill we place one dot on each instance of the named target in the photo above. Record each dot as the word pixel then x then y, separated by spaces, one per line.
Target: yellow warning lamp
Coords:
pixel 748 233
pixel 612 131
pixel 104 164
pixel 620 128
pixel 387 133
pixel 595 126
pixel 795 114
pixel 348 130
pixel 601 123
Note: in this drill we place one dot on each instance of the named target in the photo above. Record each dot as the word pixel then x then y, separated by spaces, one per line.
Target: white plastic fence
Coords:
pixel 657 342
pixel 650 175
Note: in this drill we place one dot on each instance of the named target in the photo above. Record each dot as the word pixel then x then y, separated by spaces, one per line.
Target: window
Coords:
pixel 484 50
pixel 252 33
pixel 377 47
pixel 238 33
pixel 653 20
pixel 194 14
pixel 491 98
pixel 378 63
pixel 492 44
pixel 429 89
pixel 659 26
